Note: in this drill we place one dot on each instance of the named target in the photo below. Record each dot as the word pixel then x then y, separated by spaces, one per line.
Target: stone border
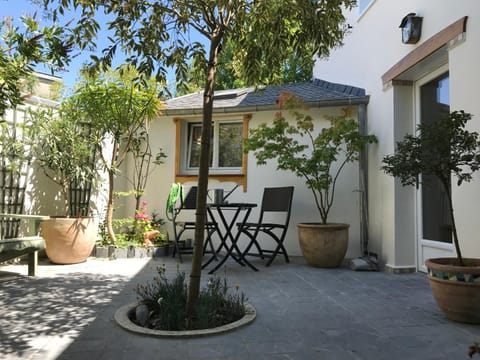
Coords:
pixel 122 319
pixel 112 252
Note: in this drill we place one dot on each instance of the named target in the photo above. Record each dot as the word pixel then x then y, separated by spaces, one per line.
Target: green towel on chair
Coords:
pixel 176 192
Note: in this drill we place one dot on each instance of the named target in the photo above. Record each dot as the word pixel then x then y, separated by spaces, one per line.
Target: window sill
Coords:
pixel 236 178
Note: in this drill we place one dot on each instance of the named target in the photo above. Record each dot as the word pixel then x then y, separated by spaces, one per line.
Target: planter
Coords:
pixel 112 252
pixel 456 288
pixel 124 315
pixel 162 251
pixel 323 246
pixel 69 240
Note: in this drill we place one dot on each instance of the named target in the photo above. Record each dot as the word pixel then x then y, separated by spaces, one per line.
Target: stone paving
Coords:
pixel 303 313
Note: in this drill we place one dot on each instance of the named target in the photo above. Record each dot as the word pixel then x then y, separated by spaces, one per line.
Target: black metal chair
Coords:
pixel 181 245
pixel 276 202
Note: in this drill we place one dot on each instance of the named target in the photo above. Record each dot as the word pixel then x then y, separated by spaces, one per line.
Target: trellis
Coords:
pixel 80 193
pixel 15 160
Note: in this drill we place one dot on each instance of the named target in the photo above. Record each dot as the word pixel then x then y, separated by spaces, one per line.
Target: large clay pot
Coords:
pixel 323 246
pixel 456 288
pixel 69 240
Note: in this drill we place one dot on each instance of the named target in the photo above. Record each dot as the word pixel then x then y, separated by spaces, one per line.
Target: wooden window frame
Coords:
pixel 240 179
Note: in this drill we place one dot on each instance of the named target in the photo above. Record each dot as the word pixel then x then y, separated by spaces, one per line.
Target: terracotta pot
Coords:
pixel 456 288
pixel 148 236
pixel 323 246
pixel 69 240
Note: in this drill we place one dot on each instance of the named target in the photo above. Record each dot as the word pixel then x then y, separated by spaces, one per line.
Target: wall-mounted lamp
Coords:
pixel 411 26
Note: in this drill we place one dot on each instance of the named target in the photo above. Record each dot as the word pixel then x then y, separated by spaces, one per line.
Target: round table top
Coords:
pixel 232 205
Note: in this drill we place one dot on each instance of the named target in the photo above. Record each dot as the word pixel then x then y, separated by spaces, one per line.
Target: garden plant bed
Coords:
pixel 126 313
pixel 161 308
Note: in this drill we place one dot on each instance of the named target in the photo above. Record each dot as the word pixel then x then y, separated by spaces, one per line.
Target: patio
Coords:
pixel 303 313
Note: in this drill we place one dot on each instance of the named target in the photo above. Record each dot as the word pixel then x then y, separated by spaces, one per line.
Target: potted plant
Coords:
pixel 442 149
pixel 311 155
pixel 65 155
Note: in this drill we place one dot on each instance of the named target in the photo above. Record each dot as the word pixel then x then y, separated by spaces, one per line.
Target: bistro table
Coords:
pixel 229 239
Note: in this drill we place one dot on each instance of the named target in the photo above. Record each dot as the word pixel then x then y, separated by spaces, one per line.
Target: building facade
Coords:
pixel 410 81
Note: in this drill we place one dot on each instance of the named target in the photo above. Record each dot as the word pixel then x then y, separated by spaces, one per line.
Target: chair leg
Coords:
pixel 280 249
pixel 208 241
pixel 253 241
pixel 176 248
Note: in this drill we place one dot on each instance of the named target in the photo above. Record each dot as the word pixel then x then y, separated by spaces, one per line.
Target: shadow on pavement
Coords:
pixel 41 316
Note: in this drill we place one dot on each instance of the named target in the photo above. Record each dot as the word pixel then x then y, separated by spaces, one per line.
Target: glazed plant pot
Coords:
pixel 323 246
pixel 456 288
pixel 69 240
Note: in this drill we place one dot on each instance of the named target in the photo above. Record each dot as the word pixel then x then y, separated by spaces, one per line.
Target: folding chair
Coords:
pixel 180 227
pixel 275 201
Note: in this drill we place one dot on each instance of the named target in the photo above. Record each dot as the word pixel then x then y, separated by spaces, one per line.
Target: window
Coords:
pixel 226 146
pixel 363 5
pixel 227 160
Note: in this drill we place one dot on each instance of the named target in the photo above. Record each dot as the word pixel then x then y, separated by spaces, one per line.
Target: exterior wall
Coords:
pixel 345 209
pixel 44 88
pixel 42 195
pixel 373 47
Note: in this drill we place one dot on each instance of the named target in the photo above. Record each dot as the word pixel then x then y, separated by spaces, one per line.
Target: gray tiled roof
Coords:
pixel 315 92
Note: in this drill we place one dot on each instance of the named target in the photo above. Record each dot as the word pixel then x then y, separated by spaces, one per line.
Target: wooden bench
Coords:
pixel 11 248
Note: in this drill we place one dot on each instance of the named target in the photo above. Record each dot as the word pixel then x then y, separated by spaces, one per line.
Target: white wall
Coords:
pixel 345 209
pixel 373 47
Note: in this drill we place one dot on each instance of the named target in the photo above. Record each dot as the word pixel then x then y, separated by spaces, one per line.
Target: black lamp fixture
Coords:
pixel 411 26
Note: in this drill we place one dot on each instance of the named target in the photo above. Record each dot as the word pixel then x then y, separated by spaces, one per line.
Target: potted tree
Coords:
pixel 443 149
pixel 65 155
pixel 311 155
pixel 120 104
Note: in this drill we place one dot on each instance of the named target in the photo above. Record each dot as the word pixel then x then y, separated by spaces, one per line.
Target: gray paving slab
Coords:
pixel 303 313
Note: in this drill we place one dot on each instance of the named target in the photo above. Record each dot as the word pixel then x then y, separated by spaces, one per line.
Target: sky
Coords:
pixel 17 8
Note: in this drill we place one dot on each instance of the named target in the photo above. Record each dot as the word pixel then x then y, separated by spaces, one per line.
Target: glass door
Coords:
pixel 434 225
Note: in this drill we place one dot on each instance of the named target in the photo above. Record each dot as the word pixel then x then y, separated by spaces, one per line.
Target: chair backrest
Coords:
pixel 187 202
pixel 277 199
pixel 190 201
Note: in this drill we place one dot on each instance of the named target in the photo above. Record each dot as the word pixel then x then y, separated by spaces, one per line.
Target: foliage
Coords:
pixel 64 150
pixel 442 149
pixel 166 301
pixel 118 105
pixel 16 142
pixel 297 148
pixel 130 231
pixel 474 349
pixel 143 158
pixel 158 34
pixel 294 69
pixel 143 223
pixel 21 50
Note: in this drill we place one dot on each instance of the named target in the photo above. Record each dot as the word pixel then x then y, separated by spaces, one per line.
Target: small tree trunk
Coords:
pixel 454 227
pixel 66 209
pixel 110 202
pixel 201 212
pixel 137 201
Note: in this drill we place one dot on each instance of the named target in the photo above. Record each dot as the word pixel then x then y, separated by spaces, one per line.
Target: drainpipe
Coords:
pixel 363 180
pixel 367 261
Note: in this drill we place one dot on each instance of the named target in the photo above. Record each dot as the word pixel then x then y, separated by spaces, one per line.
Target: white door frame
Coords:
pixel 427 248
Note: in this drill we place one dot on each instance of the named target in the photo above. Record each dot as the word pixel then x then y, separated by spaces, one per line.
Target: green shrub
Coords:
pixel 166 301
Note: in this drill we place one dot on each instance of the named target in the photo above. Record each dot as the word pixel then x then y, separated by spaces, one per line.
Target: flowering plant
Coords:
pixel 145 228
